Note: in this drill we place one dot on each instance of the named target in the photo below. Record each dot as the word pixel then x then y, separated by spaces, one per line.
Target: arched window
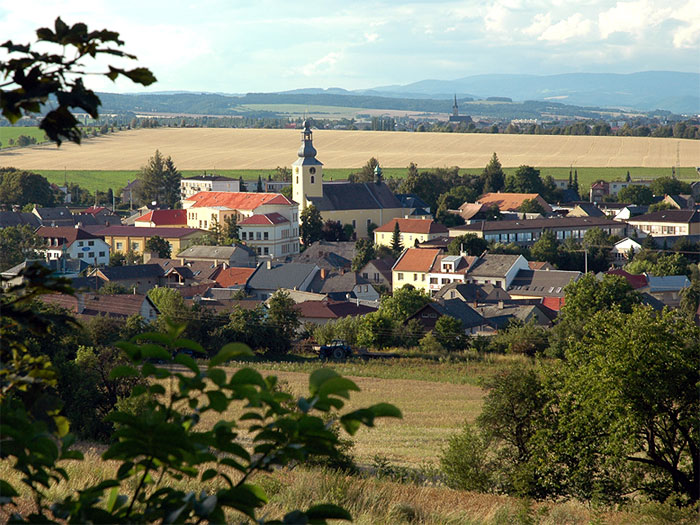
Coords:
pixel 312 179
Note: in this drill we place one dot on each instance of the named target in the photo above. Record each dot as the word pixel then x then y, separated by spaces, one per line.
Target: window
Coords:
pixel 135 246
pixel 415 276
pixel 399 276
pixel 80 243
pixel 102 254
pixel 266 250
pixel 243 236
pixel 354 223
pixel 80 255
pixel 91 255
pixel 365 275
pixel 120 246
pixel 257 235
pixel 91 243
pixel 312 170
pixel 433 280
pixel 297 177
pixel 259 250
pixel 266 236
pixel 312 178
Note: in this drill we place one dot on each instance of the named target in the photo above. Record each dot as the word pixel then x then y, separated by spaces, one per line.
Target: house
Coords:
pixel 540 265
pixel 680 202
pixel 321 312
pixel 97 215
pixel 622 249
pixel 139 277
pixel 499 316
pixel 472 321
pixel 130 192
pixel 359 204
pixel 411 231
pixel 345 286
pixel 269 234
pixel 162 219
pixel 236 255
pixel 271 276
pixel 420 208
pixel 667 288
pixel 511 201
pixel 192 185
pixel 667 222
pixel 473 293
pixel 630 211
pixel 66 268
pixel 190 273
pixel 208 208
pixel 587 209
pixel 74 243
pixel 329 255
pixel 497 269
pixel 530 284
pixel 54 216
pixel 378 272
pixel 412 267
pixel 442 243
pixel 601 188
pixel 130 238
pixel 637 282
pixel 18 218
pixel 528 231
pixel 91 305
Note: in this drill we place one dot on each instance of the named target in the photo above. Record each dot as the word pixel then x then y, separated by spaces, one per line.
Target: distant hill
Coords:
pixel 649 90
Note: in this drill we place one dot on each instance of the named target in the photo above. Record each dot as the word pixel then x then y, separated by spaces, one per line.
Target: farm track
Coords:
pixel 216 148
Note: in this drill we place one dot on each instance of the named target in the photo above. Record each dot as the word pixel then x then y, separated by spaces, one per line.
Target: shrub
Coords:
pixel 464 461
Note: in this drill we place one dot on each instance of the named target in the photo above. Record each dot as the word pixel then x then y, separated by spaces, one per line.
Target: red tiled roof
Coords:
pixel 94 210
pixel 416 260
pixel 122 305
pixel 235 200
pixel 554 303
pixel 538 265
pixel 264 218
pixel 413 226
pixel 511 201
pixel 636 281
pixel 234 276
pixel 164 217
pixel 146 231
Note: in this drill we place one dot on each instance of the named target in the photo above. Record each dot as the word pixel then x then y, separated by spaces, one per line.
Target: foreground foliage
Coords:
pixel 159 442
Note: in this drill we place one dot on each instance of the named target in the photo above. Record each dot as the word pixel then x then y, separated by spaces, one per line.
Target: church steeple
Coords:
pixel 307 148
pixel 455 108
pixel 307 171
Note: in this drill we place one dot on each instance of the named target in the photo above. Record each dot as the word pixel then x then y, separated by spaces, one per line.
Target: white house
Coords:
pixel 270 234
pixel 621 249
pixel 74 243
pixel 192 185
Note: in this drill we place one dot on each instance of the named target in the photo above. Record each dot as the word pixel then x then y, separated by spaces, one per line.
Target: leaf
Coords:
pixel 217 375
pixel 327 511
pixel 217 400
pixel 123 371
pixel 230 351
pixel 248 376
pixel 185 360
pixel 208 474
pixel 337 386
pixel 320 376
pixel 7 490
pixel 113 494
pixel 386 410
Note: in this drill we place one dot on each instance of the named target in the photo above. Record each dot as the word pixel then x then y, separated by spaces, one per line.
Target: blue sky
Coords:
pixel 264 45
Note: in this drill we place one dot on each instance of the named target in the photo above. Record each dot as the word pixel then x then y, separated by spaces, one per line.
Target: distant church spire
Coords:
pixel 307 149
pixel 455 108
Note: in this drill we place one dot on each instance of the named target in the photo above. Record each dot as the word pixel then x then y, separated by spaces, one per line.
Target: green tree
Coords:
pixel 36 76
pixel 396 246
pixel 669 186
pixel 171 183
pixel 526 179
pixel 375 330
pixel 23 187
pixel 669 264
pixel 259 187
pixel 364 253
pixel 231 228
pixel 636 194
pixel 169 302
pixel 113 288
pixel 18 243
pixel 311 225
pixel 493 177
pixel 545 248
pixel 366 174
pixel 531 206
pixel 404 302
pixel 450 334
pixel 470 243
pixel 283 313
pixel 160 181
pixel 660 206
pixel 158 245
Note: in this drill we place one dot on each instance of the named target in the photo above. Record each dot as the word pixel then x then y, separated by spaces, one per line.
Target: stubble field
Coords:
pixel 213 148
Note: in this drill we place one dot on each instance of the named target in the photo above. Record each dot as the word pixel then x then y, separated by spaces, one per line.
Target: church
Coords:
pixel 359 204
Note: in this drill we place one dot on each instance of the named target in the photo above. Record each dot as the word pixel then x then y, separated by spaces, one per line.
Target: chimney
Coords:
pixel 323 273
pixel 269 264
pixel 500 305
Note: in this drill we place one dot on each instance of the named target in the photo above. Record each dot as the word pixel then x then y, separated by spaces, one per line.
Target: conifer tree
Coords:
pixel 396 245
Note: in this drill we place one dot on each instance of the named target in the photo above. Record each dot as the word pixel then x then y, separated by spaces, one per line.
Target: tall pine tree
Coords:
pixel 493 176
pixel 396 245
pixel 160 181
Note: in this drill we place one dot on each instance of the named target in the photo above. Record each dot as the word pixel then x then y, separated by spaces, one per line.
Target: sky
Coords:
pixel 264 45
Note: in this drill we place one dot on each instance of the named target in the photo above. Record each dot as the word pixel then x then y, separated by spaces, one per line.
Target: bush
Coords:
pixel 464 461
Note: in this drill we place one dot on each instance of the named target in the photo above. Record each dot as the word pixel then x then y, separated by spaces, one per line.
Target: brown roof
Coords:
pixel 539 224
pixel 89 304
pixel 416 260
pixel 511 201
pixel 137 231
pixel 413 226
pixel 234 276
pixel 331 309
pixel 540 265
pixel 67 234
pixel 164 217
pixel 672 216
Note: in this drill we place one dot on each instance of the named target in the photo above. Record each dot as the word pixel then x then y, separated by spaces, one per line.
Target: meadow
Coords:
pixel 10 132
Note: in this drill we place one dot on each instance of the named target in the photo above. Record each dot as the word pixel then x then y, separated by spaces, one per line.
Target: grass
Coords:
pixel 11 132
pixel 102 180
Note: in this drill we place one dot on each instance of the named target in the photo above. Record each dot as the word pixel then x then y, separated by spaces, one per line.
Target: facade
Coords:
pixel 74 243
pixel 192 185
pixel 601 188
pixel 378 272
pixel 667 222
pixel 125 238
pixel 411 231
pixel 162 219
pixel 528 231
pixel 208 208
pixel 270 235
pixel 358 204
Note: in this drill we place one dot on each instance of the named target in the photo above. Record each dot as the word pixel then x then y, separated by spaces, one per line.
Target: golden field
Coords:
pixel 212 148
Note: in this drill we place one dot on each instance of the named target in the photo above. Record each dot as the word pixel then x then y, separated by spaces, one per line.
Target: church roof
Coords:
pixel 355 196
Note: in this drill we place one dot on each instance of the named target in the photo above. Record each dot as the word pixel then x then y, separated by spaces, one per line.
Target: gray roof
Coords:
pixel 493 265
pixel 461 311
pixel 472 292
pixel 280 275
pixel 342 282
pixel 355 196
pixel 672 216
pixel 591 209
pixel 667 283
pixel 213 252
pixel 539 224
pixel 18 218
pixel 409 200
pixel 136 271
pixel 499 316
pixel 328 254
pixel 542 283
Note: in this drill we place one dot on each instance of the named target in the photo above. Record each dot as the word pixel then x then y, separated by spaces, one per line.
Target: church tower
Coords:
pixel 455 108
pixel 307 171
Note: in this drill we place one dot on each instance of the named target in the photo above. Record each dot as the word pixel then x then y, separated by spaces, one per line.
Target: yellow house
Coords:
pixel 667 222
pixel 125 238
pixel 411 231
pixel 413 267
pixel 359 204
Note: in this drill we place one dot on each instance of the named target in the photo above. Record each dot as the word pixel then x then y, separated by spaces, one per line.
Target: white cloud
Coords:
pixel 540 23
pixel 322 65
pixel 371 37
pixel 574 26
pixel 688 35
pixel 631 17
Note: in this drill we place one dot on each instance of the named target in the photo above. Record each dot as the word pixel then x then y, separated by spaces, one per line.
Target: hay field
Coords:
pixel 210 148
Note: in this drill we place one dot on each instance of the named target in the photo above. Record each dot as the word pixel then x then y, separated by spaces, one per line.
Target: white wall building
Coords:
pixel 192 185
pixel 74 243
pixel 270 234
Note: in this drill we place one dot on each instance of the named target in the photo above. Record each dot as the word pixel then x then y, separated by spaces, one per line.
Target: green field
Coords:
pixel 299 110
pixel 102 180
pixel 12 132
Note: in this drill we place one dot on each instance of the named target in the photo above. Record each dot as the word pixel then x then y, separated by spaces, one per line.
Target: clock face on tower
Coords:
pixel 312 170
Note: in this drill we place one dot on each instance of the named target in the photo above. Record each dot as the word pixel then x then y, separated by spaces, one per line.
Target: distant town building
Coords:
pixel 456 117
pixel 193 185
pixel 74 243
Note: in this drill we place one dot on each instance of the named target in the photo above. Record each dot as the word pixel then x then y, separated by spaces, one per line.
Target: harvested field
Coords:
pixel 211 148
